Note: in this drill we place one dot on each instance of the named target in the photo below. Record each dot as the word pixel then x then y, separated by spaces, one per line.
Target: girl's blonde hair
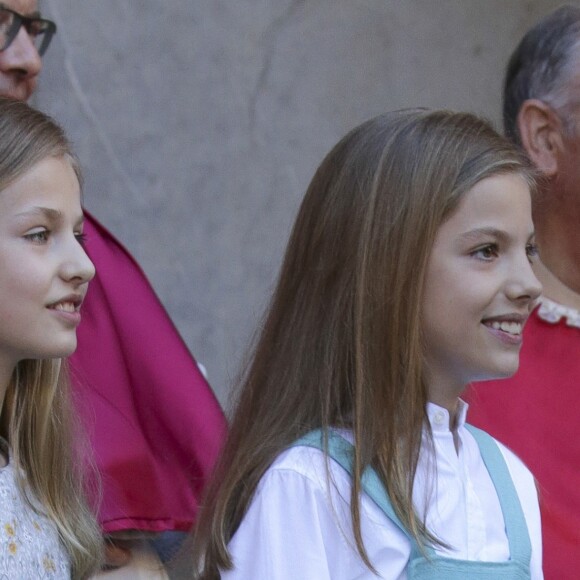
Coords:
pixel 341 344
pixel 36 416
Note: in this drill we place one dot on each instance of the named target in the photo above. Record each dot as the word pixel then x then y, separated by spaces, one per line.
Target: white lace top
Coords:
pixel 29 544
pixel 553 312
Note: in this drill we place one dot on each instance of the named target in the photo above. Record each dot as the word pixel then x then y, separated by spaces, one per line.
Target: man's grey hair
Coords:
pixel 539 68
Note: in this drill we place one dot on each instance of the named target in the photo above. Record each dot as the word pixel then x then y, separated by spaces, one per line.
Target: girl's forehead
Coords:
pixel 500 199
pixel 52 180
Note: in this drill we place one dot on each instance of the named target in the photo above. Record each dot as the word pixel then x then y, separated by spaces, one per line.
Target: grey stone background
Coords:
pixel 200 123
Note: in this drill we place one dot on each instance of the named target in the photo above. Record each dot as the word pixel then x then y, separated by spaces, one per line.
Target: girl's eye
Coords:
pixel 38 236
pixel 486 253
pixel 532 251
pixel 81 238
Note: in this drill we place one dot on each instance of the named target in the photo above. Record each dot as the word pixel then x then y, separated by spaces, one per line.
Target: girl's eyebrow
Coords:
pixel 53 214
pixel 478 233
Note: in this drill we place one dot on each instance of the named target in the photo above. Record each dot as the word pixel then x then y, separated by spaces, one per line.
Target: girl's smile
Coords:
pixel 68 308
pixel 507 328
pixel 480 288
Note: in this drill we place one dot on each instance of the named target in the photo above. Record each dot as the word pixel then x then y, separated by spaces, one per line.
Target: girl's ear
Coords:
pixel 540 130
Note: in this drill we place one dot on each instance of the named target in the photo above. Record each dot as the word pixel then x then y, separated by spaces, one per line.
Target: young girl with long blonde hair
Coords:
pixel 406 277
pixel 46 528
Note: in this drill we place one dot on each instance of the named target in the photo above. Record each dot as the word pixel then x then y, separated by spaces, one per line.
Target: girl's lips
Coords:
pixel 509 326
pixel 72 318
pixel 68 303
pixel 67 310
pixel 510 335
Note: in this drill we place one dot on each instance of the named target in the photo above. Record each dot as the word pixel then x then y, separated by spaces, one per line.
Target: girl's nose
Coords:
pixel 524 286
pixel 78 265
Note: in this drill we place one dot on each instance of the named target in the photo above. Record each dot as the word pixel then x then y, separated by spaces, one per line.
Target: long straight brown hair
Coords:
pixel 37 418
pixel 341 343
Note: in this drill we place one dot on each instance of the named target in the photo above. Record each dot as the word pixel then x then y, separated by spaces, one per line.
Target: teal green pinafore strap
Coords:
pixel 434 566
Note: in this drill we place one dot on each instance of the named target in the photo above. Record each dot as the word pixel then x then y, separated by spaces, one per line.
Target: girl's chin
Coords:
pixel 504 371
pixel 497 376
pixel 63 351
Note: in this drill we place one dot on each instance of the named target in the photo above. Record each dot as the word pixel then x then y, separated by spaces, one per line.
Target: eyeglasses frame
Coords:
pixel 27 21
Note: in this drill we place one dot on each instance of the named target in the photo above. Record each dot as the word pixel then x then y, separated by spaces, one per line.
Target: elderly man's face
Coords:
pixel 20 62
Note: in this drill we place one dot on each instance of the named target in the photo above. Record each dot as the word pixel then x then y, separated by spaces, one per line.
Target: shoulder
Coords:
pixel 302 471
pixel 524 482
pixel 309 463
pixel 292 513
pixel 304 481
pixel 302 506
pixel 520 473
pixel 305 476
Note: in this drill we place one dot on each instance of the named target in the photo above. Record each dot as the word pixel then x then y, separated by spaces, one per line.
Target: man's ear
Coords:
pixel 540 131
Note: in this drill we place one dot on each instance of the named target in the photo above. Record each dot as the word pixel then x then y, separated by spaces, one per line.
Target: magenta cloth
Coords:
pixel 154 423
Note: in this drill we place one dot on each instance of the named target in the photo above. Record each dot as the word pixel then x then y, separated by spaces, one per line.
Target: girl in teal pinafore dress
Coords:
pixel 407 276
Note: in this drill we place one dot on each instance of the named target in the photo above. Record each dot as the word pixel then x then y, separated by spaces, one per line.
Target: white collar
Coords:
pixel 439 416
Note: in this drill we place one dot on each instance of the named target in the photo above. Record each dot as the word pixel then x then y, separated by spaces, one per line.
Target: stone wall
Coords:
pixel 199 124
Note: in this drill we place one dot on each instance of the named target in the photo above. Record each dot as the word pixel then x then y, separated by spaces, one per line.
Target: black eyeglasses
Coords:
pixel 40 30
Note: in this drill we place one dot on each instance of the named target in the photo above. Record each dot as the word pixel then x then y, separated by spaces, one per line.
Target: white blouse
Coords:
pixel 299 527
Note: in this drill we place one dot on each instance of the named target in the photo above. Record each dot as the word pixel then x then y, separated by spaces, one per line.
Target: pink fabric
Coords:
pixel 536 413
pixel 155 425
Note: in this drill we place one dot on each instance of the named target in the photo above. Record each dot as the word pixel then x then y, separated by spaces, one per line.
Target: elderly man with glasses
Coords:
pixel 155 425
pixel 24 38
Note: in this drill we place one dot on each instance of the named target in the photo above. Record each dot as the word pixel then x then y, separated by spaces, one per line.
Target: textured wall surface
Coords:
pixel 199 124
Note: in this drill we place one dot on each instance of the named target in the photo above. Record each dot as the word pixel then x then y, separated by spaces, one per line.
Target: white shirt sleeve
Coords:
pixel 299 527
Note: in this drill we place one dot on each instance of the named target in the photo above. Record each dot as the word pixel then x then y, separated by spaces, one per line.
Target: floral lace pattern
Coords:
pixel 29 542
pixel 553 312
